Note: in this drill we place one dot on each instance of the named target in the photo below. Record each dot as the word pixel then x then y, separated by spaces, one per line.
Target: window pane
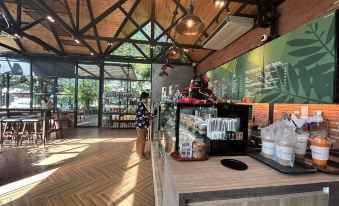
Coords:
pixel 19 91
pixel 3 91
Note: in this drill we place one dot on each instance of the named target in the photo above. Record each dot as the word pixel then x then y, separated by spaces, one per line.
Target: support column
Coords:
pixel 101 91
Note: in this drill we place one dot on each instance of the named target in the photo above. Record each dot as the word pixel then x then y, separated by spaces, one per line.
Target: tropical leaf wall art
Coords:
pixel 298 67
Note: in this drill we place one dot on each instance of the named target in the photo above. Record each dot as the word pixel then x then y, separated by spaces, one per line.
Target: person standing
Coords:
pixel 47 103
pixel 142 123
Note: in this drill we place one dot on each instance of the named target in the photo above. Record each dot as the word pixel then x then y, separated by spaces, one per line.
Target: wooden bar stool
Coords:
pixel 30 129
pixel 11 129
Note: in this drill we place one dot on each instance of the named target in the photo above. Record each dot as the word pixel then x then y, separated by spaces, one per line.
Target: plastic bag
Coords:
pixel 284 144
pixel 268 141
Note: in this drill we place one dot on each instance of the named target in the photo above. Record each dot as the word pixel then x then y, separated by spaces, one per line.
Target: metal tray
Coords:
pixel 298 168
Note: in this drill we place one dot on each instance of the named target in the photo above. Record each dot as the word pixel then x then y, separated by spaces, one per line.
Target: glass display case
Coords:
pixel 166 127
pixel 191 128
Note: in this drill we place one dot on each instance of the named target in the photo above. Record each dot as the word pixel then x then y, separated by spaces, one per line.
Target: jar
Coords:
pixel 198 150
pixel 320 147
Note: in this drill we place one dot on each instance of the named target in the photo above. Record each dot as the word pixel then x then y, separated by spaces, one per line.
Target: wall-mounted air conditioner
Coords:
pixel 229 30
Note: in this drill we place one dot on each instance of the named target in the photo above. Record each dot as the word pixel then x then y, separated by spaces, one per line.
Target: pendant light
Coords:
pixel 166 67
pixel 190 24
pixel 173 52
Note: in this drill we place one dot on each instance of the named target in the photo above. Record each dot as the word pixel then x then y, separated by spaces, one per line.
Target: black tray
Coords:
pixel 298 168
pixel 331 168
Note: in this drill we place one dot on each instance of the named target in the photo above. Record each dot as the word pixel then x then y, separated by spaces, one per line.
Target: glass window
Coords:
pixel 66 93
pixel 19 91
pixel 3 91
pixel 42 86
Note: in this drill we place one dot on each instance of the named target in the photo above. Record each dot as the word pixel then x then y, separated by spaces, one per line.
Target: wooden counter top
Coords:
pixel 210 175
pixel 204 179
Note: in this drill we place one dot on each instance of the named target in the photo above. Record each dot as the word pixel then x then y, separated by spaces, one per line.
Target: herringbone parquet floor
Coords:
pixel 93 167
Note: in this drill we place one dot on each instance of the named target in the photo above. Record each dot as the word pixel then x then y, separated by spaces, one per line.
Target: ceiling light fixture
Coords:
pixel 173 52
pixel 17 36
pixel 219 3
pixel 77 41
pixel 49 18
pixel 92 53
pixel 190 24
pixel 110 43
pixel 185 49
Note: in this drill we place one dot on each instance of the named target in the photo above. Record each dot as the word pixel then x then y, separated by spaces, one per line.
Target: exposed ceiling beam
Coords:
pixel 108 74
pixel 30 25
pixel 134 22
pixel 89 6
pixel 127 75
pixel 69 13
pixel 112 49
pixel 11 19
pixel 10 48
pixel 101 16
pixel 56 17
pixel 57 39
pixel 140 50
pixel 18 12
pixel 128 40
pixel 254 2
pixel 122 25
pixel 86 57
pixel 77 15
pixel 85 70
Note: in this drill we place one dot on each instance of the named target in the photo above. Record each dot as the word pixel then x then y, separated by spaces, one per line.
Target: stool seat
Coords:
pixel 32 120
pixel 12 120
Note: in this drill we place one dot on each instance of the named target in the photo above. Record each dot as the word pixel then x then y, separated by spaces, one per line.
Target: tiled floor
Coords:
pixel 90 167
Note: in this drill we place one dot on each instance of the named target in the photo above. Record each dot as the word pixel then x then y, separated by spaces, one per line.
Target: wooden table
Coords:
pixel 43 115
pixel 208 182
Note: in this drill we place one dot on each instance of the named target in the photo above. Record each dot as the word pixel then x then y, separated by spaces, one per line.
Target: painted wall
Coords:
pixel 181 75
pixel 294 13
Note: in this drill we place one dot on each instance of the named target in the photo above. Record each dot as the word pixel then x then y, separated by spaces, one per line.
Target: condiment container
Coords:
pixel 320 147
pixel 267 148
pixel 301 145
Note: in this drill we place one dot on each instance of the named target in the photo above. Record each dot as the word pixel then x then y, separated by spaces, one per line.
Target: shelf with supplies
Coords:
pixel 119 110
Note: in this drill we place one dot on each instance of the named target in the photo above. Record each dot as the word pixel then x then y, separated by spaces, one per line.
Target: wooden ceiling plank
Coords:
pixel 90 10
pixel 30 25
pixel 63 23
pixel 135 23
pixel 101 16
pixel 57 39
pixel 8 14
pixel 10 48
pixel 69 14
pixel 121 27
pixel 136 41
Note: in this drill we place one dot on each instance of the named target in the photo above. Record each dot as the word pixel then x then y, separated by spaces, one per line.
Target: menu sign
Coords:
pixel 298 67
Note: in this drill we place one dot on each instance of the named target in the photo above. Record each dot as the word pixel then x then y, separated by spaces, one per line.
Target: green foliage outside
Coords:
pixel 88 93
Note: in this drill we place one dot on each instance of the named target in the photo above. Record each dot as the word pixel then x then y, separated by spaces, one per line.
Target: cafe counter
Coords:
pixel 203 183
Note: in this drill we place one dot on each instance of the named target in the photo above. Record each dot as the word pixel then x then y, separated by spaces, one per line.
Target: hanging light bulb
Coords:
pixel 190 24
pixel 163 73
pixel 173 52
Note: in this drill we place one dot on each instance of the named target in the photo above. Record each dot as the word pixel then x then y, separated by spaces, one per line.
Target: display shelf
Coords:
pixel 122 105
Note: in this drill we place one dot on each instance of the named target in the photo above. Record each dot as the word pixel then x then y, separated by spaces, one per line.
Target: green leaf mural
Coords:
pixel 298 67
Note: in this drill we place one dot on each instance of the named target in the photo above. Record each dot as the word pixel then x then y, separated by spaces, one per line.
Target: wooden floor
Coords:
pixel 90 167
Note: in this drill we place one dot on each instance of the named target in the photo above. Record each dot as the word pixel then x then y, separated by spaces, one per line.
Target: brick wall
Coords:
pixel 330 114
pixel 294 13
